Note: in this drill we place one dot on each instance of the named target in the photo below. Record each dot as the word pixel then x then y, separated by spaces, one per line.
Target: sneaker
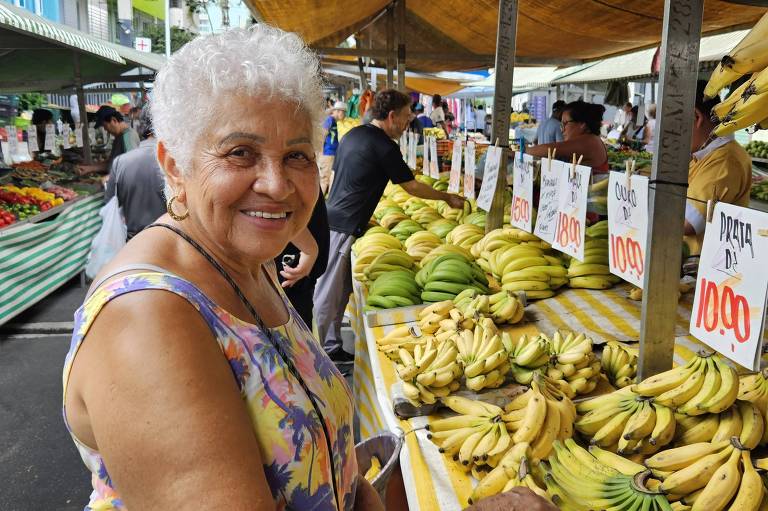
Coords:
pixel 341 357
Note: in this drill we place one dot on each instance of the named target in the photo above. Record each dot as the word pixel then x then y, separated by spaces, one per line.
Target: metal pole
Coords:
pixel 167 28
pixel 502 97
pixel 390 46
pixel 81 107
pixel 400 35
pixel 677 88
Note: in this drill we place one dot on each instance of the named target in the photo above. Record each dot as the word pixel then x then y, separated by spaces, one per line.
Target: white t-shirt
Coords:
pixel 480 119
pixel 620 118
pixel 437 115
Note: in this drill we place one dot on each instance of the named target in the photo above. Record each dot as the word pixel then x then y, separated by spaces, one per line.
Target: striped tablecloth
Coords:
pixel 432 481
pixel 37 258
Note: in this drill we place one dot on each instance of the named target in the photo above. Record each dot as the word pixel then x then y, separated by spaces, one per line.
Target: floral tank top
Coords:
pixel 291 439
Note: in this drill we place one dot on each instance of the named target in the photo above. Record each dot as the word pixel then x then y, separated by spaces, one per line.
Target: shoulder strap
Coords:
pixel 127 268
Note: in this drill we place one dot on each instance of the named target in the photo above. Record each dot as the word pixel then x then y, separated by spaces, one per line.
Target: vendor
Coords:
pixel 720 168
pixel 551 130
pixel 125 139
pixel 581 136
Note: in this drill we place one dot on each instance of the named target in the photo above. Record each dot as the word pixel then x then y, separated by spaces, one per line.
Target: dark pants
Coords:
pixel 333 290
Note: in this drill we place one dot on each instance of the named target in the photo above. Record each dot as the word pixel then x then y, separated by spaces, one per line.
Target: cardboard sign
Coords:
pixel 79 135
pixel 546 218
pixel 469 171
pixel 425 157
pixel 729 306
pixel 434 169
pixel 65 136
pixel 522 192
pixel 50 137
pixel 32 139
pixel 455 181
pixel 572 209
pixel 490 177
pixel 413 138
pixel 627 226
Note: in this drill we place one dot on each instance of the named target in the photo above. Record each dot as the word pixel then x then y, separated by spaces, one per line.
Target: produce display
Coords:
pixel 759 190
pixel 21 203
pixel 619 363
pixel 757 149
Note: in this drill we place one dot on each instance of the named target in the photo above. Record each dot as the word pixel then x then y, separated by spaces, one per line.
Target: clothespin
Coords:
pixel 550 156
pixel 630 164
pixel 711 204
pixel 573 165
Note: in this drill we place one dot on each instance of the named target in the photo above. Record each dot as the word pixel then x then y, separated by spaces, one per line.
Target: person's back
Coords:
pixel 425 121
pixel 139 182
pixel 549 131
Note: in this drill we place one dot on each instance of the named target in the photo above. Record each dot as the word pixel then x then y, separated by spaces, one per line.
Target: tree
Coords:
pixel 179 37
pixel 32 100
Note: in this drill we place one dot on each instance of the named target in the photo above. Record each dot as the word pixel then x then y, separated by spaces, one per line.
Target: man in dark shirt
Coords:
pixel 367 159
pixel 125 139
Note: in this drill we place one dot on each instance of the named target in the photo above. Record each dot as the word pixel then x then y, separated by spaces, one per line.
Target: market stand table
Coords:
pixel 43 252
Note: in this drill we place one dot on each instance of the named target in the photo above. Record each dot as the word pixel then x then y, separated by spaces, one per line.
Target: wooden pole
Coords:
pixel 390 47
pixel 502 98
pixel 87 157
pixel 669 178
pixel 400 35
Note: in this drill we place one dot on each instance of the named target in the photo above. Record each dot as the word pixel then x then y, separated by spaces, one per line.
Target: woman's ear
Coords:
pixel 173 173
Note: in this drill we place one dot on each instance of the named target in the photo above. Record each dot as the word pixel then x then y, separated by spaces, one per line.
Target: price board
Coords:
pixel 522 192
pixel 65 136
pixel 454 182
pixel 32 139
pixel 627 226
pixel 732 284
pixel 425 157
pixel 79 135
pixel 50 137
pixel 434 169
pixel 469 171
pixel 572 209
pixel 490 177
pixel 546 218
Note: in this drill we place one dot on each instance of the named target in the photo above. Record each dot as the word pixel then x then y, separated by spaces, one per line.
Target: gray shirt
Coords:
pixel 139 182
pixel 549 131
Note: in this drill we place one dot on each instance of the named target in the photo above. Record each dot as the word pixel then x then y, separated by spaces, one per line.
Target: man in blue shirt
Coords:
pixel 551 130
pixel 331 143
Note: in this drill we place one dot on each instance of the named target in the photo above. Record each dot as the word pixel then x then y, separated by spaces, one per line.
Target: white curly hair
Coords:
pixel 261 61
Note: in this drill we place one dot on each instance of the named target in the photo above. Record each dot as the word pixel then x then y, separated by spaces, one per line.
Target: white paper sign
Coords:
pixel 65 132
pixel 425 157
pixel 79 135
pixel 729 306
pixel 434 170
pixel 490 177
pixel 522 192
pixel 627 226
pixel 469 171
pixel 32 139
pixel 6 149
pixel 92 136
pixel 50 137
pixel 413 138
pixel 404 145
pixel 13 139
pixel 454 183
pixel 572 210
pixel 546 218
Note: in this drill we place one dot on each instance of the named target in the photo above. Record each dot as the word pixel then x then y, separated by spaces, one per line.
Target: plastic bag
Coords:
pixel 109 240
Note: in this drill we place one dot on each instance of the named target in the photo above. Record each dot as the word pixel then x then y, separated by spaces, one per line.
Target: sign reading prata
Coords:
pixel 627 226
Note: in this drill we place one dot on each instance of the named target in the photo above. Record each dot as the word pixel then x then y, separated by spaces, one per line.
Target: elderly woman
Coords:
pixel 191 383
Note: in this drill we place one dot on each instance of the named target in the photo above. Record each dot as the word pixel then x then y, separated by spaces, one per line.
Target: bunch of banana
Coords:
pixel 597 230
pixel 619 364
pixel 683 287
pixel 525 267
pixel 626 423
pixel 482 356
pixel 431 373
pixel 493 241
pixel 754 110
pixel 597 197
pixel 577 480
pixel 540 416
pixel 706 384
pixel 503 307
pixel 445 276
pixel 513 470
pixel 369 247
pixel 400 337
pixel 457 215
pixel 404 229
pixel 412 205
pixel 754 388
pixel 441 227
pixel 528 356
pixel 574 366
pixel 394 259
pixel 441 184
pixel 446 249
pixel 421 243
pixel 392 217
pixel 393 289
pixel 710 427
pixel 593 272
pixel 476 436
pixel 465 235
pixel 426 216
pixel 431 317
pixel 400 196
pixel 386 205
pixel 476 218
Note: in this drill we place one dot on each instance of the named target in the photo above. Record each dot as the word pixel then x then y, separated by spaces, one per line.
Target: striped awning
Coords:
pixel 29 24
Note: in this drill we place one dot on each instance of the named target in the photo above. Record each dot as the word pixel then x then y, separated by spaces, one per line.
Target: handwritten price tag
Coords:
pixel 425 157
pixel 729 307
pixel 13 139
pixel 572 209
pixel 50 137
pixel 404 145
pixel 455 182
pixel 469 171
pixel 522 193
pixel 434 170
pixel 627 226
pixel 65 136
pixel 32 139
pixel 79 135
pixel 490 177
pixel 546 219
pixel 413 138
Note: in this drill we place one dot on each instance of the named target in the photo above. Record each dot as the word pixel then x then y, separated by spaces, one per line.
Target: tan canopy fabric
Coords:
pixel 547 29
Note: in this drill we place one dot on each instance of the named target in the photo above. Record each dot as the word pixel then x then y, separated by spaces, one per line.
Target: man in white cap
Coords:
pixel 331 143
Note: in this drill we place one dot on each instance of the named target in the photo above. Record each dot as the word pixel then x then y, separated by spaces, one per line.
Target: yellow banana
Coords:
pixel 695 475
pixel 751 490
pixel 722 486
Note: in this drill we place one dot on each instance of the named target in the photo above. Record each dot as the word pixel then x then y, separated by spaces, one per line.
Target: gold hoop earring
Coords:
pixel 169 207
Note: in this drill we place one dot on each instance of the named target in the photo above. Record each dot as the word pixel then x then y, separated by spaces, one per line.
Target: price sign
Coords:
pixel 434 170
pixel 6 150
pixel 469 171
pixel 50 137
pixel 92 136
pixel 627 226
pixel 729 307
pixel 572 209
pixel 425 157
pixel 32 139
pixel 455 182
pixel 65 136
pixel 13 139
pixel 490 177
pixel 404 145
pixel 522 192
pixel 79 135
pixel 413 138
pixel 546 219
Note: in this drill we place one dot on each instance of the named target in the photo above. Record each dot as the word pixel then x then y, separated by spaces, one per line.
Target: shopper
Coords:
pixel 423 118
pixel 720 169
pixel 304 260
pixel 368 158
pixel 137 179
pixel 125 139
pixel 649 131
pixel 415 125
pixel 550 130
pixel 581 137
pixel 191 381
pixel 438 114
pixel 337 113
pixel 621 118
pixel 480 119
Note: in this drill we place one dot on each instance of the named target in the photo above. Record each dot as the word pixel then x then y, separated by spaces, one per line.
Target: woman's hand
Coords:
pixel 292 275
pixel 516 499
pixel 366 497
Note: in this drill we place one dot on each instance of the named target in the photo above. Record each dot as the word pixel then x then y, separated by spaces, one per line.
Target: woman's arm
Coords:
pixel 165 410
pixel 307 244
pixel 567 148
